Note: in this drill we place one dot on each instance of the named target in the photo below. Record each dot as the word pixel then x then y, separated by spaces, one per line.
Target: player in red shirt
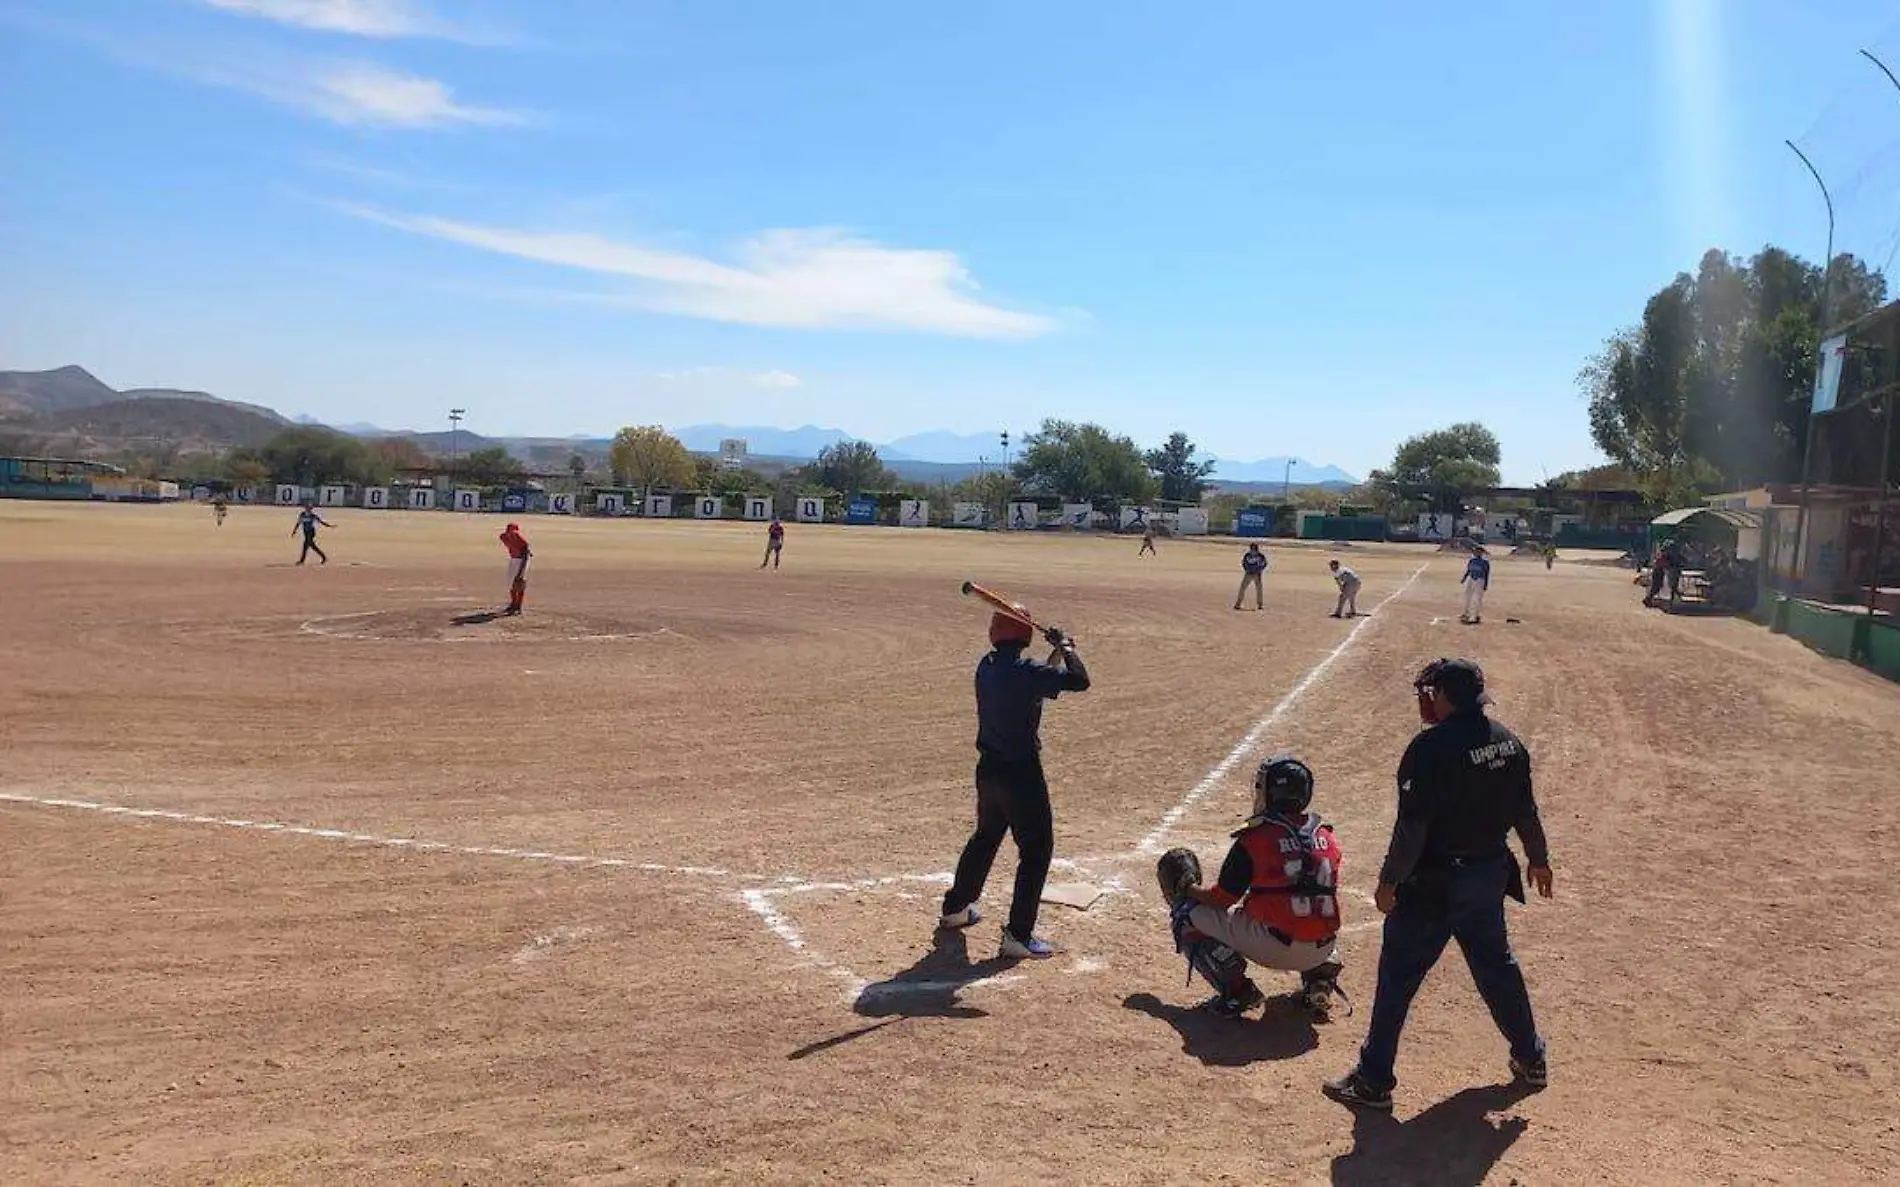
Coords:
pixel 1276 902
pixel 774 542
pixel 518 554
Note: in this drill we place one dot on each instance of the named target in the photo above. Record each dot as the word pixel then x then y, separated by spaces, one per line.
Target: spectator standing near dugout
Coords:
pixel 1464 785
pixel 1253 567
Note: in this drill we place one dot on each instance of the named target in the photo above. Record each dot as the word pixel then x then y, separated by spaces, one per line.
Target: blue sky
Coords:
pixel 1307 230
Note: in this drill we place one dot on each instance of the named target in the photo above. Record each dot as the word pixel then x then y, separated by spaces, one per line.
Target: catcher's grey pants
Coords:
pixel 1249 937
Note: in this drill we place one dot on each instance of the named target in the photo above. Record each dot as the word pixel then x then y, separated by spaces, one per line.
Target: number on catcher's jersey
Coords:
pixel 1302 905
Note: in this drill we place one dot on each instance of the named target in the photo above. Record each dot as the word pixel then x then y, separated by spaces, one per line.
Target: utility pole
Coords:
pixel 1886 443
pixel 1827 285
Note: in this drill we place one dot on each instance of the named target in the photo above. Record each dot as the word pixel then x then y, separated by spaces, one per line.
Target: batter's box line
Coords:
pixel 412 844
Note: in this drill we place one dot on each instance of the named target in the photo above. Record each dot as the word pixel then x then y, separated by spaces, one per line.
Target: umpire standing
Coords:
pixel 1464 784
pixel 1011 794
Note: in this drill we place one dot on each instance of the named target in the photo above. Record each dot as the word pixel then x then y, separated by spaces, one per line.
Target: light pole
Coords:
pixel 1286 481
pixel 455 437
pixel 1886 443
pixel 1827 284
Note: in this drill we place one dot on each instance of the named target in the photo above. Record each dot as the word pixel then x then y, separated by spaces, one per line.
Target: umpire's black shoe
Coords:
pixel 1352 1089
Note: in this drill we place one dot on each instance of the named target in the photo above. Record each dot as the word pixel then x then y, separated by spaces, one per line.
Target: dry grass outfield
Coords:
pixel 423 980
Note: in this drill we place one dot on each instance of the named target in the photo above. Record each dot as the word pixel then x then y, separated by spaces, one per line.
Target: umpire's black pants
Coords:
pixel 1013 798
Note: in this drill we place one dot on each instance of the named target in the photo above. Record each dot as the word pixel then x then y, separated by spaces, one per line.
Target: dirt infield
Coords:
pixel 303 880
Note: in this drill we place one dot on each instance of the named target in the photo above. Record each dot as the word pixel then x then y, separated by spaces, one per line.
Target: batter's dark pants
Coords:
pixel 310 546
pixel 1470 909
pixel 1011 798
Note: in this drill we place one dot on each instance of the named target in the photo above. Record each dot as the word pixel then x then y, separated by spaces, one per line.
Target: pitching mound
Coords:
pixel 441 625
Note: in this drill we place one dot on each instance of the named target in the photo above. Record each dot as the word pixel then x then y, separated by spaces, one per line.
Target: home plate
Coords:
pixel 1080 895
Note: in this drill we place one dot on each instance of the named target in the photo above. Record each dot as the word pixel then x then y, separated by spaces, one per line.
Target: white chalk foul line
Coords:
pixel 410 843
pixel 1151 844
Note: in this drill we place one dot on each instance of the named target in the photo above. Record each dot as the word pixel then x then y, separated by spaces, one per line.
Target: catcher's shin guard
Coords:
pixel 1221 966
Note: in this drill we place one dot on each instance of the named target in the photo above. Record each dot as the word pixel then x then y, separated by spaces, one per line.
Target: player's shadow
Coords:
pixel 1284 1032
pixel 1454 1142
pixel 927 989
pixel 475 618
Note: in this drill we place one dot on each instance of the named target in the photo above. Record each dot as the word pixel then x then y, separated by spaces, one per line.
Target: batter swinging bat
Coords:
pixel 972 590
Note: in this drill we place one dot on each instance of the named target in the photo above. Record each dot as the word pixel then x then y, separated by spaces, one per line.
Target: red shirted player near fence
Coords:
pixel 518 554
pixel 774 543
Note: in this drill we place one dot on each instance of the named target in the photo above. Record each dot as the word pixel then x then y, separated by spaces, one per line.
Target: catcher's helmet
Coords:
pixel 1283 786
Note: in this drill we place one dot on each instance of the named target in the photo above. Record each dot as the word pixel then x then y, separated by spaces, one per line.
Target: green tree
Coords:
pixel 649 457
pixel 577 469
pixel 1443 467
pixel 1182 478
pixel 310 456
pixel 1083 462
pixel 385 457
pixel 1712 385
pixel 491 465
pixel 850 467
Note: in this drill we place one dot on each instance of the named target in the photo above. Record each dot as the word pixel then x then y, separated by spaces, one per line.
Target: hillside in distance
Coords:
pixel 189 425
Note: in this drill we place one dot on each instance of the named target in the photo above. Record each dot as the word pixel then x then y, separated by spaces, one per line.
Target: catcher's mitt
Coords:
pixel 1177 871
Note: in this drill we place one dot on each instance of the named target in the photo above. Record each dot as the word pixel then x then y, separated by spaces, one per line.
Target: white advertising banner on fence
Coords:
pixel 1022 516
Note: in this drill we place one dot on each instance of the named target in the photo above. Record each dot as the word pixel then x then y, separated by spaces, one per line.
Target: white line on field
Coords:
pixel 337 834
pixel 1151 844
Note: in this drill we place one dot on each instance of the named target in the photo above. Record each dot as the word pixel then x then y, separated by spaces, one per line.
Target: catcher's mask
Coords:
pixel 1462 682
pixel 1283 786
pixel 1005 628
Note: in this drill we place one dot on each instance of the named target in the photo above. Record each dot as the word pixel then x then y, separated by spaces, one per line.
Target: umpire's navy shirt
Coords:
pixel 1464 785
pixel 1010 690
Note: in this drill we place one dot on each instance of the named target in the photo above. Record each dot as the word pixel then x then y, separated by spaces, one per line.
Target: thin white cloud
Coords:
pixel 727 376
pixel 357 94
pixel 794 279
pixel 382 19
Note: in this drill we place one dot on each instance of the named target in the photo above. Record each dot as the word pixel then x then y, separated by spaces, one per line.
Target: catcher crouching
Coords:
pixel 1275 902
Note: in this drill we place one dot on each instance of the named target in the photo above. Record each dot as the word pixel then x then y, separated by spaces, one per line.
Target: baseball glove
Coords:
pixel 1178 870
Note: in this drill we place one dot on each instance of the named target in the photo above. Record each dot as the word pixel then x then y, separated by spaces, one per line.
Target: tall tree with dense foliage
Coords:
pixel 1182 478
pixel 850 467
pixel 1712 385
pixel 1083 462
pixel 490 465
pixel 1443 467
pixel 649 457
pixel 311 456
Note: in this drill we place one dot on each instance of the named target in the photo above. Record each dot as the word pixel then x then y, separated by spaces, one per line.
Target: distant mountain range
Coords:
pixel 69 404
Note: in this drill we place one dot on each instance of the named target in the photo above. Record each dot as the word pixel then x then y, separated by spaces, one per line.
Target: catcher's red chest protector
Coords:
pixel 1295 877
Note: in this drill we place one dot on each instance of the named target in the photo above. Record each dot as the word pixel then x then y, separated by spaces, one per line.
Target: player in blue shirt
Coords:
pixel 1012 795
pixel 1477 579
pixel 307 521
pixel 1253 567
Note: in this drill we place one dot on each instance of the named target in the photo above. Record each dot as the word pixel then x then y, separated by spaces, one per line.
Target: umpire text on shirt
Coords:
pixel 1464 785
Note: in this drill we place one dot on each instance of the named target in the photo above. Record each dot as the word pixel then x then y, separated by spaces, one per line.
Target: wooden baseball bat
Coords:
pixel 972 590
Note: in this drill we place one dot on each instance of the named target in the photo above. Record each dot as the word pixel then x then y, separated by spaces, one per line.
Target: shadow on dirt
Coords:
pixel 476 618
pixel 927 989
pixel 1283 1032
pixel 1454 1142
